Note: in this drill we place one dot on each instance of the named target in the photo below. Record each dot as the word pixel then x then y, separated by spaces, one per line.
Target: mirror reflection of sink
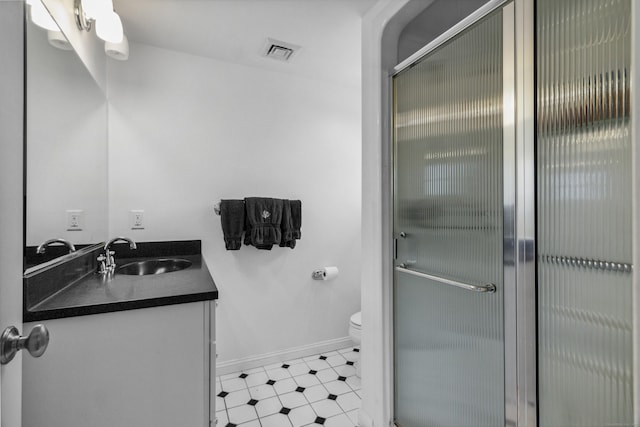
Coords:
pixel 153 266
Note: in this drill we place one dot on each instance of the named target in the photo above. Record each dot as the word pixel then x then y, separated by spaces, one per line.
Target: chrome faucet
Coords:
pixel 43 247
pixel 106 260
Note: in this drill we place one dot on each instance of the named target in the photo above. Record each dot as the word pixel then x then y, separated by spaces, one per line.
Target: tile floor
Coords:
pixel 316 390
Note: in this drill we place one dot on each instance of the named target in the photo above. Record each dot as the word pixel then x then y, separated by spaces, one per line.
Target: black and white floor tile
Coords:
pixel 320 390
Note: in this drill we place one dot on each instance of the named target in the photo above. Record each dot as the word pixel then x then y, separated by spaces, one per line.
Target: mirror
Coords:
pixel 66 154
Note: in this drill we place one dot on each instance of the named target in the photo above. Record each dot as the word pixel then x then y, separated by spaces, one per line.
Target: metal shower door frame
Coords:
pixel 519 268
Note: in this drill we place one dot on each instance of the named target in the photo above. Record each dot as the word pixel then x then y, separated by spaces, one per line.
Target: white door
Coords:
pixel 11 200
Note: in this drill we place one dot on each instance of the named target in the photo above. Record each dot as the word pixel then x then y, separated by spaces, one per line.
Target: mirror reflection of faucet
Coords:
pixel 43 247
pixel 107 263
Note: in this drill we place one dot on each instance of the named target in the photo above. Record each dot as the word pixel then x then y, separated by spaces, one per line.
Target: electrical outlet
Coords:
pixel 75 219
pixel 136 219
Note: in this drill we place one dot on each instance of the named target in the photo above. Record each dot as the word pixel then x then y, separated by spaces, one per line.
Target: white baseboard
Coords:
pixel 364 420
pixel 237 365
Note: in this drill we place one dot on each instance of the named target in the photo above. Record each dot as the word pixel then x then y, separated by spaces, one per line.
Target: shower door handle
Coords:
pixel 487 287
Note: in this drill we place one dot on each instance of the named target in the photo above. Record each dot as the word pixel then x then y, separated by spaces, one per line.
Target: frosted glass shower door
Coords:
pixel 584 174
pixel 448 225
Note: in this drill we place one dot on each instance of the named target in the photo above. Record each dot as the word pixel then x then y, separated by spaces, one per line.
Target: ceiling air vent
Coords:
pixel 279 50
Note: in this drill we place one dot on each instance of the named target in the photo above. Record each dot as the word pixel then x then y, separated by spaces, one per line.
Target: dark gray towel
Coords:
pixel 247 236
pixel 232 214
pixel 247 230
pixel 286 225
pixel 291 223
pixel 296 218
pixel 264 216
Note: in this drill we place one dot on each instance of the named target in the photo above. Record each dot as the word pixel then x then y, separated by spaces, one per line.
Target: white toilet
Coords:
pixel 355 330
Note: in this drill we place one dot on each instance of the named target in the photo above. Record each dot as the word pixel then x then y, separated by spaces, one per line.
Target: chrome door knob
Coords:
pixel 11 342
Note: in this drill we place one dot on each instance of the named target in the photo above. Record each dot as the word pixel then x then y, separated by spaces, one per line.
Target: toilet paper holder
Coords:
pixel 326 273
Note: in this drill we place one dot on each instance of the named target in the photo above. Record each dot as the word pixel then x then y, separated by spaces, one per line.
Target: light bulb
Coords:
pixel 57 39
pixel 119 51
pixel 109 28
pixel 40 16
pixel 96 9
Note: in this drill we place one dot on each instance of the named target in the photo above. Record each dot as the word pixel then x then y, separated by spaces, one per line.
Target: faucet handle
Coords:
pixel 111 262
pixel 103 268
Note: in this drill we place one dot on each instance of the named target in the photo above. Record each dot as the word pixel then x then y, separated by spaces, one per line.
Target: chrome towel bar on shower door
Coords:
pixel 488 287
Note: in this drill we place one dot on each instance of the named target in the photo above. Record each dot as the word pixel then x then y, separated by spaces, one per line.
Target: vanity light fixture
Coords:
pixel 82 19
pixel 109 28
pixel 40 16
pixel 58 40
pixel 107 22
pixel 119 51
pixel 94 9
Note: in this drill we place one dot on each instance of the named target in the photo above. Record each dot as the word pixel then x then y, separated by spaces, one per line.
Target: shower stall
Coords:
pixel 513 220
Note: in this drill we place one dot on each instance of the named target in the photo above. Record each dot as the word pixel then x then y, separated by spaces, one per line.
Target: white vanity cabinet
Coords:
pixel 146 367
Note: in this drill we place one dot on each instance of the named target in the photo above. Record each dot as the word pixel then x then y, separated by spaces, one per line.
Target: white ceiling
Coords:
pixel 236 30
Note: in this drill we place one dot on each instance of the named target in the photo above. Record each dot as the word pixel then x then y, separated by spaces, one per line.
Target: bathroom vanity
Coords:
pixel 145 367
pixel 125 350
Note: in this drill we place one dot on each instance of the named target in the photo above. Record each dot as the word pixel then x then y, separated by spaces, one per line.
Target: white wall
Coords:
pixel 186 131
pixel 66 145
pixel 90 49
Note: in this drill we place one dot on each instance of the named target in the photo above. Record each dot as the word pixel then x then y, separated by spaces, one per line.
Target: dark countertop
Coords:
pixel 95 293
